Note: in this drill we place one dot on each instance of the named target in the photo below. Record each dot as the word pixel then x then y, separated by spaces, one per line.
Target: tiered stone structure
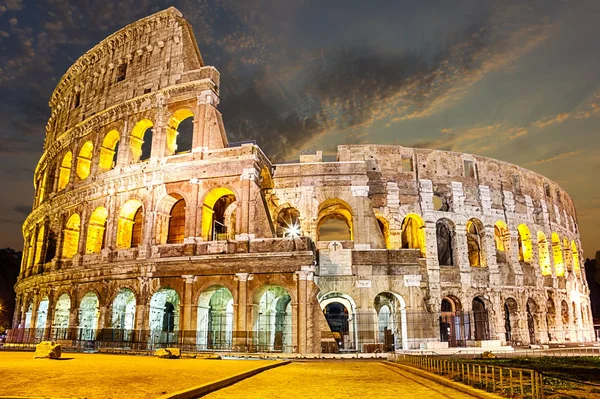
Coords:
pixel 140 237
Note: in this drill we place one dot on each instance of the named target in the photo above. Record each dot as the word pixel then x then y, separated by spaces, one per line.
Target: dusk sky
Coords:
pixel 514 80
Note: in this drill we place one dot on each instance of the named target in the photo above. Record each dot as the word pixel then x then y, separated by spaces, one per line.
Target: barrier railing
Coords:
pixel 506 381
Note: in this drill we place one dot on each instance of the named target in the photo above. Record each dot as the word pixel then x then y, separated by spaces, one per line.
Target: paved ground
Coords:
pixel 110 376
pixel 336 379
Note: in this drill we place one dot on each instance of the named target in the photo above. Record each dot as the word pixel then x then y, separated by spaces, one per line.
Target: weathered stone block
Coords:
pixel 168 353
pixel 47 350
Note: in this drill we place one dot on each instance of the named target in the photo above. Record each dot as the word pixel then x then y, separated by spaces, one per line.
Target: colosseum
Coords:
pixel 149 228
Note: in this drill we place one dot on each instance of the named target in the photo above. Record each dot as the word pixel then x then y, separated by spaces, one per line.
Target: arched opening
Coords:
pixel 502 241
pixel 129 225
pixel 444 232
pixel 180 131
pixel 96 231
pixel 288 223
pixel 30 240
pixel 164 317
pixel 475 243
pixel 71 236
pixel 384 227
pixel 39 245
pixel 273 320
pixel 88 316
pixel 575 254
pixel 123 315
pixel 41 318
pixel 551 320
pixel 544 254
pixel 340 313
pixel 177 223
pixel 84 160
pixel 62 313
pixel 557 252
pixel 65 170
pixel 391 321
pixel 217 222
pixel 141 141
pixel 413 233
pixel 108 150
pixel 215 319
pixel 511 320
pixel 334 222
pixel 525 244
pixel 481 327
pixel 28 314
pixel 454 323
pixel 531 320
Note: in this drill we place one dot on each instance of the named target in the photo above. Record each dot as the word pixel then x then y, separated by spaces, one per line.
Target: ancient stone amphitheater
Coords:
pixel 149 228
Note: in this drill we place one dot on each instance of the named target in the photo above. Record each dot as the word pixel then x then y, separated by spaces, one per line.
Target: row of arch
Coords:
pixel 79 164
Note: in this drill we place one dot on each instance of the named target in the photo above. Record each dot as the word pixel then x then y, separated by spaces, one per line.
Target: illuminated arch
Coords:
pixel 129 224
pixel 214 223
pixel 272 319
pixel 475 246
pixel 575 254
pixel 288 222
pixel 65 170
pixel 176 232
pixel 84 160
pixel 413 233
pixel 96 228
pixel 501 236
pixel 137 139
pixel 71 236
pixel 173 141
pixel 39 244
pixel 214 327
pixel 108 150
pixel 525 244
pixel 334 221
pixel 384 227
pixel 544 254
pixel 559 264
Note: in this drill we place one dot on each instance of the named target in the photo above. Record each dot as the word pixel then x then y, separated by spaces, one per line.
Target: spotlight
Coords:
pixel 292 231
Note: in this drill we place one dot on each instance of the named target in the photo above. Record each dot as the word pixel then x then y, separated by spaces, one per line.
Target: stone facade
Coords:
pixel 138 239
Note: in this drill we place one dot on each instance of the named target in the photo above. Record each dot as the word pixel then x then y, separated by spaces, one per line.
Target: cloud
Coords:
pixel 556 157
pixel 23 209
pixel 544 123
pixel 519 132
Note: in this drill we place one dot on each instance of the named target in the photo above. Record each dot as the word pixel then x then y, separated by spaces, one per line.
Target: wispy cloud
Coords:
pixel 556 157
pixel 544 123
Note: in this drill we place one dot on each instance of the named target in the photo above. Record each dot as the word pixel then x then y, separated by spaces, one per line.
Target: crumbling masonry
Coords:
pixel 144 233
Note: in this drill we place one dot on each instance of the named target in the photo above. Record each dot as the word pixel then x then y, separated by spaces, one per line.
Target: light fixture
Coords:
pixel 292 231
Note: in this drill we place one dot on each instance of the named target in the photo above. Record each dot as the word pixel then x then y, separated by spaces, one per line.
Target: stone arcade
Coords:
pixel 149 229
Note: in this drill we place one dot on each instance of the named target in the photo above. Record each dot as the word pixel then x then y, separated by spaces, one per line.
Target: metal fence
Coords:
pixel 506 381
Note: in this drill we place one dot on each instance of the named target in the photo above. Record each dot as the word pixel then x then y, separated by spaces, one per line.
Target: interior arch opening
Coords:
pixel 180 131
pixel 288 223
pixel 108 150
pixel 334 222
pixel 525 244
pixel 413 233
pixel 65 170
pixel 84 160
pixel 89 311
pixel 444 230
pixel 454 323
pixel 41 319
pixel 96 237
pixel 475 243
pixel 391 321
pixel 219 214
pixel 511 321
pixel 273 320
pixel 141 141
pixel 557 253
pixel 62 313
pixel 215 319
pixel 129 224
pixel 501 241
pixel 481 327
pixel 71 236
pixel 164 317
pixel 123 315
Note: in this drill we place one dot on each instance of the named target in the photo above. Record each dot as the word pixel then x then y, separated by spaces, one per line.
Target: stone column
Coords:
pixel 240 336
pixel 188 337
pixel 301 281
pixel 49 316
pixel 249 175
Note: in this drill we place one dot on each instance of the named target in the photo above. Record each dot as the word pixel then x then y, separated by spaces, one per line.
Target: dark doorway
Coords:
pixel 337 318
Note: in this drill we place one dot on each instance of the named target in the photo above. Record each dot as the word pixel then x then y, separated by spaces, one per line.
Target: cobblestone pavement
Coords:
pixel 337 379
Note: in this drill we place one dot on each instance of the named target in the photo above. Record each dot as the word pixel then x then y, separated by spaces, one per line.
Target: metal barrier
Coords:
pixel 507 381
